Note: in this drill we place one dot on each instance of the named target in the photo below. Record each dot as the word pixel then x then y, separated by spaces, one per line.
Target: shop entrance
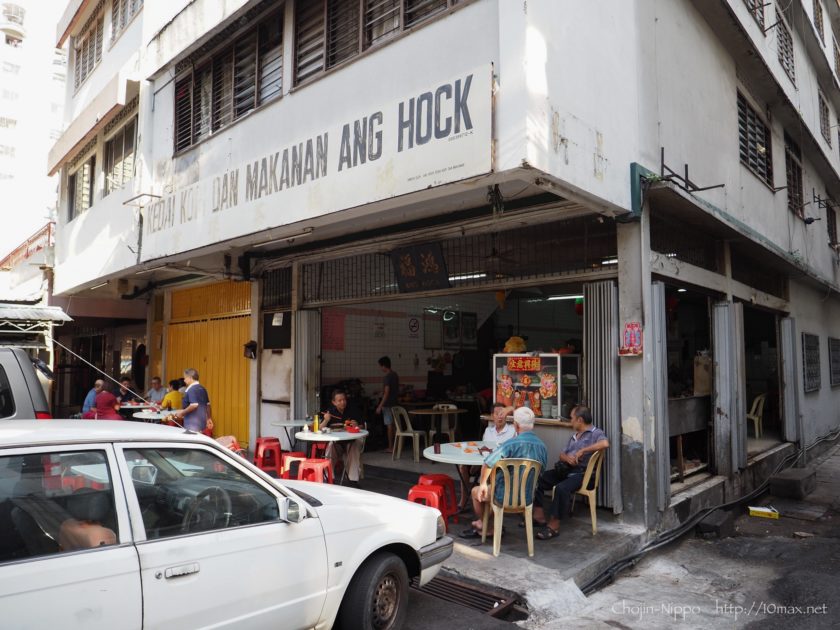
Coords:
pixel 690 381
pixel 761 367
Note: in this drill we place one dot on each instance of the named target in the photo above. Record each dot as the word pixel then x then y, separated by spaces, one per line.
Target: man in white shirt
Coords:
pixel 499 430
pixel 157 392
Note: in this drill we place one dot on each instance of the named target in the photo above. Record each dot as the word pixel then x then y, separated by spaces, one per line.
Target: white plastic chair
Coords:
pixel 405 430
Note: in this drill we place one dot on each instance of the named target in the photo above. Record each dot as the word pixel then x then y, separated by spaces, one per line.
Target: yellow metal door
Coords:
pixel 211 342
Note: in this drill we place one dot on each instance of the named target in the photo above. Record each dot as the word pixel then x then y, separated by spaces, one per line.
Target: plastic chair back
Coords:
pixel 519 482
pixel 402 420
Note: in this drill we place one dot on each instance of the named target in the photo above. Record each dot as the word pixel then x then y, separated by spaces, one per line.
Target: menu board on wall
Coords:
pixel 811 362
pixel 332 330
pixel 834 360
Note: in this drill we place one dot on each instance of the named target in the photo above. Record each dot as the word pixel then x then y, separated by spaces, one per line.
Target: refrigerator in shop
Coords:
pixel 549 384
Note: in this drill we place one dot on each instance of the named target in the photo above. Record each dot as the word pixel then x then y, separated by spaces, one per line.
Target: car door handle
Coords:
pixel 185 569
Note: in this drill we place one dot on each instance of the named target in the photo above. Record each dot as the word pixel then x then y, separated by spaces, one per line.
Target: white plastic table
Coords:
pixel 454 453
pixel 151 416
pixel 287 426
pixel 332 436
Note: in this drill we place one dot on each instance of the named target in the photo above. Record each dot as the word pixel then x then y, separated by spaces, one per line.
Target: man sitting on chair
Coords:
pixel 342 412
pixel 567 475
pixel 526 445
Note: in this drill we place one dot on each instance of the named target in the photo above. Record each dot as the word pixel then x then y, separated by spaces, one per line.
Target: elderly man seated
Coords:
pixel 567 475
pixel 526 445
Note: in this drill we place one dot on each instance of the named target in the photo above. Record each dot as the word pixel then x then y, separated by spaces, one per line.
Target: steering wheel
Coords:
pixel 211 509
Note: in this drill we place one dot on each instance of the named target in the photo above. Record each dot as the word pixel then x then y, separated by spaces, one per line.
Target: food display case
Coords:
pixel 549 384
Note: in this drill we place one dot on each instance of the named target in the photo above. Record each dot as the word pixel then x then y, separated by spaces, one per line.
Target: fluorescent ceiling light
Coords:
pixel 467 276
pixel 564 297
pixel 290 237
pixel 97 286
pixel 609 261
pixel 681 290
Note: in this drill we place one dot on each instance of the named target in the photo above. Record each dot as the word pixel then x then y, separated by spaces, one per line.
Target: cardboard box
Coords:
pixel 764 512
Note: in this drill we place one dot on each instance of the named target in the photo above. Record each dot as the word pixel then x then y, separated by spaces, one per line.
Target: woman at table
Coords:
pixel 173 399
pixel 339 413
pixel 107 406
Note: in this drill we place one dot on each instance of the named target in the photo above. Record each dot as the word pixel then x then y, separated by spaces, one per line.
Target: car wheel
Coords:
pixel 377 596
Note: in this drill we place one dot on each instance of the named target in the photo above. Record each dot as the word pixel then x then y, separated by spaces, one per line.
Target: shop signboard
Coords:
pixel 418 134
pixel 420 268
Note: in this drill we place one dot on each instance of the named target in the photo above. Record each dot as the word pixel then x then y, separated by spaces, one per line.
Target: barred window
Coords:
pixel 831 222
pixel 230 83
pixel 793 169
pixel 88 48
pixel 119 156
pixel 756 9
pixel 818 20
pixel 785 44
pixel 754 142
pixel 825 118
pixel 122 12
pixel 80 186
pixel 836 59
pixel 330 33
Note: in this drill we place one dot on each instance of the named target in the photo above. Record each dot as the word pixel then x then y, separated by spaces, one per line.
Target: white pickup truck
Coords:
pixel 122 525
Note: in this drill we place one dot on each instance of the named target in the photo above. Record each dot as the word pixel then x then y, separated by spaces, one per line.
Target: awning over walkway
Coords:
pixel 22 313
pixel 24 326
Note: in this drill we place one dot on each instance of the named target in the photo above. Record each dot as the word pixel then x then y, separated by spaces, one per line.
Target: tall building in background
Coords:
pixel 32 81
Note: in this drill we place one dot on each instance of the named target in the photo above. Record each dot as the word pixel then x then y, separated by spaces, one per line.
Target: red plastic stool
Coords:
pixel 267 455
pixel 316 470
pixel 289 458
pixel 430 495
pixel 450 499
pixel 318 450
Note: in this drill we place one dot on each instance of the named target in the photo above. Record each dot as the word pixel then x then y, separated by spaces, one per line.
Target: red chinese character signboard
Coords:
pixel 524 364
pixel 631 341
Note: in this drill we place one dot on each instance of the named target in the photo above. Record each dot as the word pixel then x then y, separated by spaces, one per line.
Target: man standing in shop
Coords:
pixel 196 403
pixel 390 391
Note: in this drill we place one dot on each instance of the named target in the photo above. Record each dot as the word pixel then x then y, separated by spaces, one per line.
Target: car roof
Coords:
pixel 17 433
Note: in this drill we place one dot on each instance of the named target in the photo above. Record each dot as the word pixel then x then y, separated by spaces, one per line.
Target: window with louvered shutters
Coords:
pixel 342 31
pixel 183 114
pixel 785 47
pixel 244 75
pixel 80 185
pixel 271 59
pixel 202 102
pixel 418 10
pixel 222 90
pixel 119 157
pixel 88 51
pixel 382 20
pixel 831 223
pixel 825 118
pixel 309 39
pixel 122 12
pixel 754 142
pixel 793 172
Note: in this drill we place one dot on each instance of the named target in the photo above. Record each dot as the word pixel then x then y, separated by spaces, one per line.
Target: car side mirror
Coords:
pixel 144 473
pixel 291 511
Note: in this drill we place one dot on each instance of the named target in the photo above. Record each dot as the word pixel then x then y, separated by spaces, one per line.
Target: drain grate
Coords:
pixel 481 598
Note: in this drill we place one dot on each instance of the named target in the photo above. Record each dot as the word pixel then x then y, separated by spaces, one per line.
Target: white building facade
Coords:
pixel 256 171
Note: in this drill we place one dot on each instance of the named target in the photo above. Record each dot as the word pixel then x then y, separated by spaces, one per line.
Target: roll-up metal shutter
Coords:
pixel 601 382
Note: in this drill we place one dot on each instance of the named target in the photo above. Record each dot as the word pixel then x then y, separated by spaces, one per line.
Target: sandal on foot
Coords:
pixel 547 533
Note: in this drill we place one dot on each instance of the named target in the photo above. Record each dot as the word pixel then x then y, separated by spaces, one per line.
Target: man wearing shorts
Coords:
pixel 390 392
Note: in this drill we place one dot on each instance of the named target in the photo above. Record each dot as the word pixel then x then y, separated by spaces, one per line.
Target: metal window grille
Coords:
pixel 122 12
pixel 785 44
pixel 834 360
pixel 80 185
pixel 754 141
pixel 756 9
pixel 811 362
pixel 332 32
pixel 230 83
pixel 793 172
pixel 836 59
pixel 277 289
pixel 825 122
pixel 831 223
pixel 88 46
pixel 119 157
pixel 478 260
pixel 755 272
pixel 818 20
pixel 694 246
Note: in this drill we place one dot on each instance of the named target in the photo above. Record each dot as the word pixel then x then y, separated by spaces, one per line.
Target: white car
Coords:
pixel 127 525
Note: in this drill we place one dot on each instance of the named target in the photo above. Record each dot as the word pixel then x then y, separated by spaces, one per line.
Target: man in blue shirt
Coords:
pixel 526 445
pixel 90 399
pixel 196 410
pixel 567 475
